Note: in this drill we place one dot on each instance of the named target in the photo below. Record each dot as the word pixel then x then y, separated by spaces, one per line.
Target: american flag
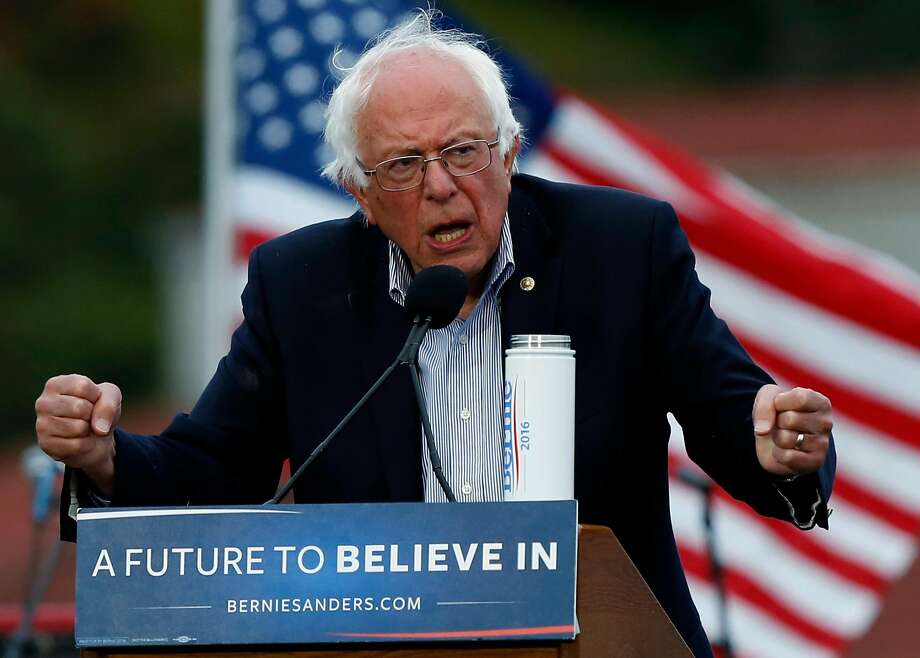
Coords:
pixel 812 309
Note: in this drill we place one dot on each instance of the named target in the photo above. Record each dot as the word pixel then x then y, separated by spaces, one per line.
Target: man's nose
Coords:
pixel 439 183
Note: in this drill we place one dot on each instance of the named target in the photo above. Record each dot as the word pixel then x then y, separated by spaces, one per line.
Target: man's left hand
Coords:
pixel 792 429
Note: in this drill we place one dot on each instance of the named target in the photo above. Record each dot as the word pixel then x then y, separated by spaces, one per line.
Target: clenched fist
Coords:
pixel 792 429
pixel 75 422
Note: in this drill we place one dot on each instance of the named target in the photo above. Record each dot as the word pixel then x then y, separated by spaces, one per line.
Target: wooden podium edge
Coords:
pixel 618 614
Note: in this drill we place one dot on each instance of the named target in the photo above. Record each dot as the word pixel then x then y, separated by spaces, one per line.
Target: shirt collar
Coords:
pixel 502 267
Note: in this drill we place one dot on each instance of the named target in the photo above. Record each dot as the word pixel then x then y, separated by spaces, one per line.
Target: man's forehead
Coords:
pixel 421 93
pixel 403 78
pixel 417 62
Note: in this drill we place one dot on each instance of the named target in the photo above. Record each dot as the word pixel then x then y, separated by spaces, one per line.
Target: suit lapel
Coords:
pixel 393 406
pixel 529 297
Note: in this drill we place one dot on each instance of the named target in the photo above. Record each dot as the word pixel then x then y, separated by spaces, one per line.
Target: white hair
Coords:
pixel 416 33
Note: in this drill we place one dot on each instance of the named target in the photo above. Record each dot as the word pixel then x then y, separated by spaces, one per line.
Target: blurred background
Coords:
pixel 815 105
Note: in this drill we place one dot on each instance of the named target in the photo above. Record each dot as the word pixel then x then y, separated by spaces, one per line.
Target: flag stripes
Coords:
pixel 743 233
pixel 755 632
pixel 697 565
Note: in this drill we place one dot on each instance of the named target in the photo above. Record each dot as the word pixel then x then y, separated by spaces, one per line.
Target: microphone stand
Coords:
pixel 407 356
pixel 705 486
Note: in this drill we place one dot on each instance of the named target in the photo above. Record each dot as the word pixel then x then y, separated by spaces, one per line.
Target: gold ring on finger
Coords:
pixel 799 441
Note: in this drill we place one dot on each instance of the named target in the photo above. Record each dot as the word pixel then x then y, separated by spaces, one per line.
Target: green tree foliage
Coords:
pixel 100 137
pixel 606 48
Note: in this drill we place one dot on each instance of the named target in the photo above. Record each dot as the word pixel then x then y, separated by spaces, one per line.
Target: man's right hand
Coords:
pixel 75 422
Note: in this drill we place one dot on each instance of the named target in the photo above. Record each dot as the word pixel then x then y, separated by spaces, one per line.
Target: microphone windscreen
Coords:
pixel 437 292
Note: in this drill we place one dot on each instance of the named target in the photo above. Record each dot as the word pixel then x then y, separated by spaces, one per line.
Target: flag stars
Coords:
pixel 285 42
pixel 270 10
pixel 301 79
pixel 368 22
pixel 327 28
pixel 262 98
pixel 275 134
pixel 282 62
pixel 313 116
pixel 250 63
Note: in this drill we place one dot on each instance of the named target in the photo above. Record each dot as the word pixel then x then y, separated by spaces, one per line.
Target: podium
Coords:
pixel 618 617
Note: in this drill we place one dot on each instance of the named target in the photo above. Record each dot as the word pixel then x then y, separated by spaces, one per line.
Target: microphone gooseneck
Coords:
pixel 433 300
pixel 433 455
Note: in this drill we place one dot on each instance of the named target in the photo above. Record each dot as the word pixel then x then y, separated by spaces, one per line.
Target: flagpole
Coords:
pixel 218 117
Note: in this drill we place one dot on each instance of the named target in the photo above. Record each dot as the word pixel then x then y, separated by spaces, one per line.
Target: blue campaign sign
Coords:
pixel 326 573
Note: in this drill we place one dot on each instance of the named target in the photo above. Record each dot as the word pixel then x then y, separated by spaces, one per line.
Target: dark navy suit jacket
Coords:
pixel 612 269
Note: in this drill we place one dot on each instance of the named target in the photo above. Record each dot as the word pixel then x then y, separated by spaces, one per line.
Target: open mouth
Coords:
pixel 449 234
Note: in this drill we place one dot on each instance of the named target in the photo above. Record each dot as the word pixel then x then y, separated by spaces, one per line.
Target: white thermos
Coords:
pixel 538 416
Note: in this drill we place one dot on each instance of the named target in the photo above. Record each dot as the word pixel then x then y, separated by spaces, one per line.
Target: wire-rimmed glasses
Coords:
pixel 408 171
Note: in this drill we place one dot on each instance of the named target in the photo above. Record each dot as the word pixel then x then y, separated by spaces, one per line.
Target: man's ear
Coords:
pixel 360 195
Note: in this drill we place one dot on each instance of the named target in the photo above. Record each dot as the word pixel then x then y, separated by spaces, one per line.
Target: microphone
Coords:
pixel 437 293
pixel 433 300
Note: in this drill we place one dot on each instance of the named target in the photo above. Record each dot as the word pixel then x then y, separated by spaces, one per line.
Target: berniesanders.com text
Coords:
pixel 325 604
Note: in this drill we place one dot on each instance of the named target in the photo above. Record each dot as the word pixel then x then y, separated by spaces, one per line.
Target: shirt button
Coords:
pixel 467 489
pixel 465 414
pixel 464 339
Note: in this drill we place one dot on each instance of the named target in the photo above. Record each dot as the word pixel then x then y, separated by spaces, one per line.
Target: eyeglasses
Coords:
pixel 408 171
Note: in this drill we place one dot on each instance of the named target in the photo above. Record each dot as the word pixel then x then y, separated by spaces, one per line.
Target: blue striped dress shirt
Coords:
pixel 461 372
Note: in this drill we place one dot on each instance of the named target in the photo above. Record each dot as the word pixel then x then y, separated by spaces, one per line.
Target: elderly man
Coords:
pixel 425 141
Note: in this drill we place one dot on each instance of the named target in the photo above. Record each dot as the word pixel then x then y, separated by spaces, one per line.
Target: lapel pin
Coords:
pixel 527 283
